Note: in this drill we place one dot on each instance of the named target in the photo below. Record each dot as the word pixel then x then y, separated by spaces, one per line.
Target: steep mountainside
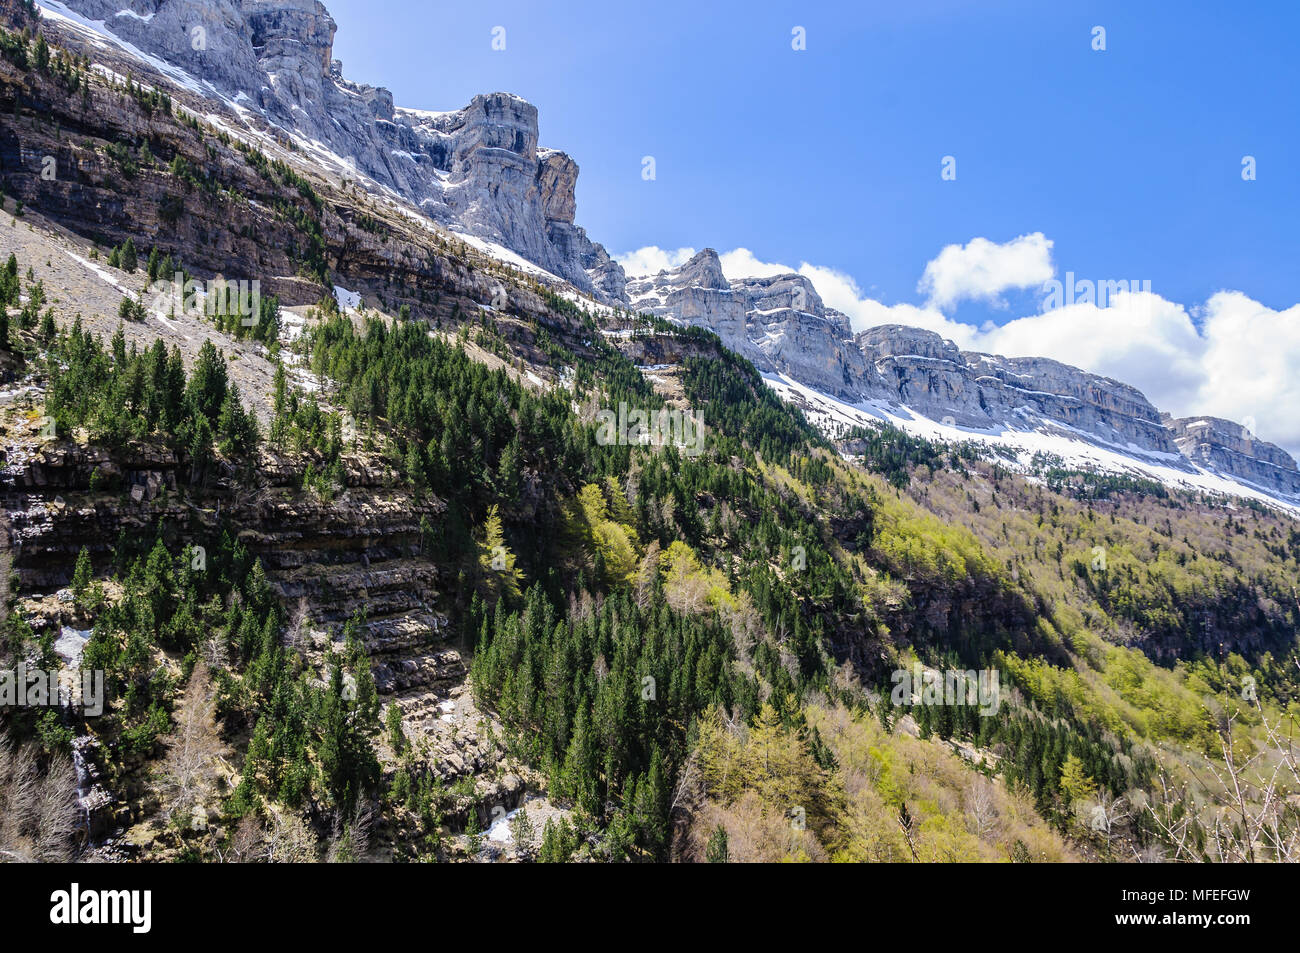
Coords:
pixel 270 63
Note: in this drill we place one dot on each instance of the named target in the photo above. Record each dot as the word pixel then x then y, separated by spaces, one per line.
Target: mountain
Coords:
pixel 915 379
pixel 272 62
pixel 778 323
pixel 481 171
pixel 1229 448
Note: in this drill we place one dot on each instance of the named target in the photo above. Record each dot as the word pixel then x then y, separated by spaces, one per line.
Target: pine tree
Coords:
pixel 200 450
pixel 510 472
pixel 81 575
pixel 522 832
pixel 1076 785
pixel 236 428
pixel 393 722
pixel 551 851
pixel 414 466
pixel 207 383
pixel 924 721
pixel 473 832
pixel 279 390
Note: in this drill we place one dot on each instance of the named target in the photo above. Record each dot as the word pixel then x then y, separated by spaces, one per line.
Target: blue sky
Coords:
pixel 1126 161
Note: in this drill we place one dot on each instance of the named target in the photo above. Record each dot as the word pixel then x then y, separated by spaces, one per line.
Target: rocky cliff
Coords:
pixel 1231 449
pixel 778 323
pixel 932 377
pixel 478 169
pixel 324 558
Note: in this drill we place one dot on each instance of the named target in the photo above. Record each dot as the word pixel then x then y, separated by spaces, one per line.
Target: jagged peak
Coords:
pixel 704 270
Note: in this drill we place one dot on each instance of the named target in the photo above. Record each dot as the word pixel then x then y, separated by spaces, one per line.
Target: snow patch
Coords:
pixel 347 300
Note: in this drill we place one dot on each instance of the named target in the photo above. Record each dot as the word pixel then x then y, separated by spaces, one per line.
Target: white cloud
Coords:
pixel 1243 362
pixel 1251 366
pixel 652 259
pixel 741 263
pixel 1140 339
pixel 982 270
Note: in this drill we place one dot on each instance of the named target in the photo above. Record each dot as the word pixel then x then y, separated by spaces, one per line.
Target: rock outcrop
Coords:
pixel 1232 450
pixel 779 323
pixel 783 326
pixel 324 558
pixel 932 377
pixel 481 170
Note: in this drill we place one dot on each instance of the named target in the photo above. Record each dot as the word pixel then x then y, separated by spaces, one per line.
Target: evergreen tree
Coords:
pixel 81 575
pixel 498 575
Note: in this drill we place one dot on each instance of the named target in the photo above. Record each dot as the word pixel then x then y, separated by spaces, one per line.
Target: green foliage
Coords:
pixel 895 454
pixel 123 394
pixel 738 408
pixel 559 841
pixel 605 700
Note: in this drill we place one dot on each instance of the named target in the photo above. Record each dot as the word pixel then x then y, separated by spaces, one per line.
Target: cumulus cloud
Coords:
pixel 1252 366
pixel 982 270
pixel 1140 339
pixel 741 263
pixel 1241 363
pixel 652 259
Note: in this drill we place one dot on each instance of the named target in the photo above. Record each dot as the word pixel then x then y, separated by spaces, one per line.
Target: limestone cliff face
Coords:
pixel 780 323
pixel 1232 450
pixel 933 377
pixel 478 169
pixel 323 558
pixel 481 170
pixel 783 326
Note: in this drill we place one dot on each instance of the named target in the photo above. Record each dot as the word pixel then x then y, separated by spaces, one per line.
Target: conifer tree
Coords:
pixel 81 575
pixel 716 851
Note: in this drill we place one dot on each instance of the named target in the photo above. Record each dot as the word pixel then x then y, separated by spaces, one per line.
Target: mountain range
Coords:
pixel 268 65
